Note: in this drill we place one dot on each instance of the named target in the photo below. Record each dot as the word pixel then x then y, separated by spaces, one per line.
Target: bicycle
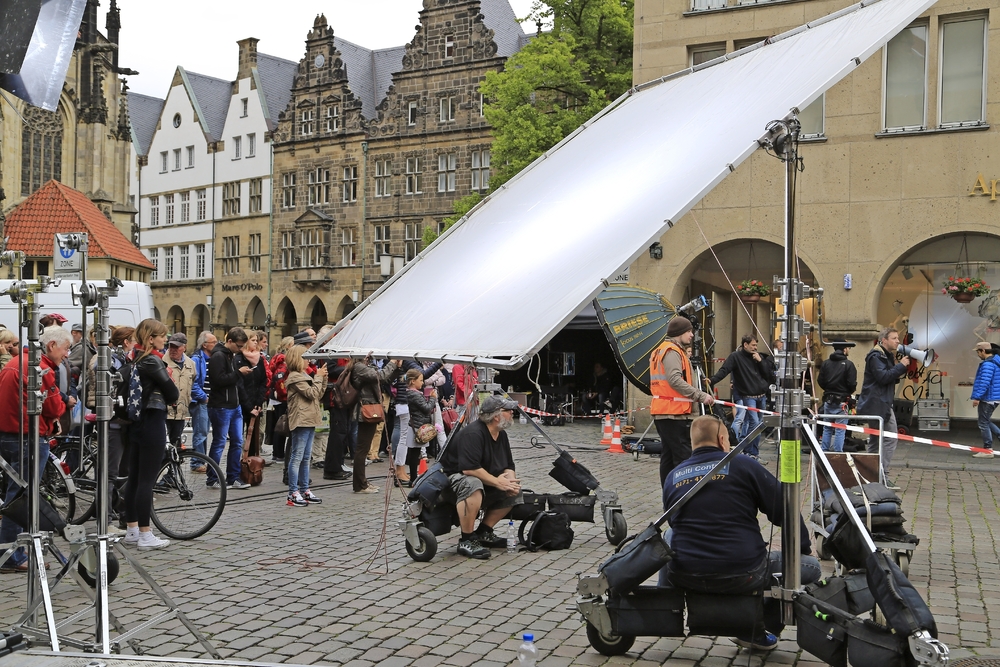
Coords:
pixel 57 486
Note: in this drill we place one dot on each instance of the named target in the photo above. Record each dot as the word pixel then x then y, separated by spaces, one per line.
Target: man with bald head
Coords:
pixel 716 537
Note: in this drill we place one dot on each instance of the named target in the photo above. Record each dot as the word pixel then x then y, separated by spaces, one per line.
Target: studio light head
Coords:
pixel 693 306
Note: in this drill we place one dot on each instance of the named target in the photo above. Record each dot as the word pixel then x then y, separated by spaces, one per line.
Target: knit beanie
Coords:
pixel 678 325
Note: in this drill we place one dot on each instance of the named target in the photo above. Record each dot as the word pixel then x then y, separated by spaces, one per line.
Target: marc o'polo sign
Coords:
pixel 983 190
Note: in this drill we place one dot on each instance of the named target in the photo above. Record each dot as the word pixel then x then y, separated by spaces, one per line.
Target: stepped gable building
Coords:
pixel 85 142
pixel 375 146
pixel 202 180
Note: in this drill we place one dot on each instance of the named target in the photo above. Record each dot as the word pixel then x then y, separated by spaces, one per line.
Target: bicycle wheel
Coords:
pixel 183 506
pixel 83 479
pixel 57 488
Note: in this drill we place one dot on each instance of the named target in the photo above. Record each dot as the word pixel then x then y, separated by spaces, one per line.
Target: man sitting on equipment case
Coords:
pixel 716 537
pixel 480 467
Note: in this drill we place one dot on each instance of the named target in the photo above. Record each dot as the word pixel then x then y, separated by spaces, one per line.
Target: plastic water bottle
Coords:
pixel 511 538
pixel 527 654
pixel 523 419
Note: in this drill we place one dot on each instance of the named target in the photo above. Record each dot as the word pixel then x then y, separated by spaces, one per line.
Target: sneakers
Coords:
pixel 983 455
pixel 239 484
pixel 147 541
pixel 371 488
pixel 213 485
pixel 340 476
pixel 131 537
pixel 268 462
pixel 347 468
pixel 766 643
pixel 473 549
pixel 277 459
pixel 489 539
pixel 296 500
pixel 312 498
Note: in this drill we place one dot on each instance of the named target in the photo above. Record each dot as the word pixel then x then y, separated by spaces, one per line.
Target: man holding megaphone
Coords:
pixel 882 373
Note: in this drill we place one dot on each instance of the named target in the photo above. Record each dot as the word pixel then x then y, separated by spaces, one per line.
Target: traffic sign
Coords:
pixel 65 260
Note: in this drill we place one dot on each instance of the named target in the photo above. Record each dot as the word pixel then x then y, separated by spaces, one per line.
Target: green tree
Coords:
pixel 460 208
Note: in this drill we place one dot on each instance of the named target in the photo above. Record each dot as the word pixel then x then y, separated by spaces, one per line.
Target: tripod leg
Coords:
pixel 38 564
pixel 102 635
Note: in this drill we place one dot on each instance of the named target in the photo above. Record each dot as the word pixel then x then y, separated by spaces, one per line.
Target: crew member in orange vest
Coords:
pixel 670 376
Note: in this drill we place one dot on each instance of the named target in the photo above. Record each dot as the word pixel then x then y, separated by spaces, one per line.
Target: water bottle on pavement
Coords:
pixel 527 654
pixel 511 538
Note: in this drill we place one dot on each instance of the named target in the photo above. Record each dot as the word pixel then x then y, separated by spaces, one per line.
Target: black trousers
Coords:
pixel 148 443
pixel 277 441
pixel 336 444
pixel 675 434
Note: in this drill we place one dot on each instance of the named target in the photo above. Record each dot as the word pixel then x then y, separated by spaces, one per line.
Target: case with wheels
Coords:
pixel 439 520
pixel 648 610
pixel 574 505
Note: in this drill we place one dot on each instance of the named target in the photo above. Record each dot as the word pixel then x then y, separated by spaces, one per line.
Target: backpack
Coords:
pixel 549 530
pixel 133 400
pixel 342 392
pixel 121 371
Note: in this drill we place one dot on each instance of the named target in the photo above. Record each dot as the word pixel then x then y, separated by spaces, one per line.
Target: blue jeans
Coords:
pixel 987 427
pixel 838 434
pixel 301 444
pixel 227 424
pixel 749 420
pixel 199 426
pixel 10 449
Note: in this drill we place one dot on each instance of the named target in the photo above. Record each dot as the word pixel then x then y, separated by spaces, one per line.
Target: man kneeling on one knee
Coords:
pixel 716 537
pixel 480 468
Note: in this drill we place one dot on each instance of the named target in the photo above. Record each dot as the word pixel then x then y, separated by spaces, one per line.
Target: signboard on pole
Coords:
pixel 66 260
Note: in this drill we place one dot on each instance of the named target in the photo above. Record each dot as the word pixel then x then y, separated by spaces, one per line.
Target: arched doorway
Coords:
pixel 317 316
pixel 287 318
pixel 175 320
pixel 200 318
pixel 227 315
pixel 346 306
pixel 256 316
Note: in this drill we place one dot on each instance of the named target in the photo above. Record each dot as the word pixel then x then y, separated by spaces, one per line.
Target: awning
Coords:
pixel 498 285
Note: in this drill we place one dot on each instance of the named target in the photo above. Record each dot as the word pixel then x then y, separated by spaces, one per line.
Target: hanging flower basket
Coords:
pixel 750 291
pixel 964 290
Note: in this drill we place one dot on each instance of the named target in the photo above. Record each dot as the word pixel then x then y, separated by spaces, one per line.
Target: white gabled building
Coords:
pixel 202 184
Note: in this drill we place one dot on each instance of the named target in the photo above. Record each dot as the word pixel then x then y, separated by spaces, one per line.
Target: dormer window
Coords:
pixel 307 122
pixel 449 46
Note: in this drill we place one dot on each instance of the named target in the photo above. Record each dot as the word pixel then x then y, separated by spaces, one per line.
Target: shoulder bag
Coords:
pixel 373 413
pixel 252 467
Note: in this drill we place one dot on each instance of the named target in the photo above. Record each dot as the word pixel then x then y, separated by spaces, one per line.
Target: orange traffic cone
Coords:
pixel 616 438
pixel 422 467
pixel 606 440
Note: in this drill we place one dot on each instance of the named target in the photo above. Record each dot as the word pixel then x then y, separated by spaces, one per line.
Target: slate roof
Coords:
pixel 507 33
pixel 144 113
pixel 59 208
pixel 211 98
pixel 359 63
pixel 386 61
pixel 276 78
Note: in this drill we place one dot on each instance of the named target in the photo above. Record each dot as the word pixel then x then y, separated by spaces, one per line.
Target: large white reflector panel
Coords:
pixel 498 285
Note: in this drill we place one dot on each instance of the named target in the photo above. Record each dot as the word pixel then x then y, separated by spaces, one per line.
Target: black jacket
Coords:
pixel 154 378
pixel 421 408
pixel 750 378
pixel 224 378
pixel 253 385
pixel 838 378
pixel 406 365
pixel 879 387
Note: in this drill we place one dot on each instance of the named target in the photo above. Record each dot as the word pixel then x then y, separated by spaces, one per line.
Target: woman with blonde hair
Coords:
pixel 8 346
pixel 304 415
pixel 148 433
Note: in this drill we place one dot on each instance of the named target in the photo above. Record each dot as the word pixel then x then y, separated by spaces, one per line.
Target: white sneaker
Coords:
pixel 347 468
pixel 131 537
pixel 148 541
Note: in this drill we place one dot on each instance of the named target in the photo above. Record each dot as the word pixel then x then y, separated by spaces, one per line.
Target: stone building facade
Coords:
pixel 374 147
pixel 897 192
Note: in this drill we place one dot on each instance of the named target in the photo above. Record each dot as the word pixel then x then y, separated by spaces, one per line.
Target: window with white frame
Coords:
pixel 185 263
pixel 705 52
pixel 185 207
pixel 319 186
pixel 168 263
pixel 154 259
pixel 253 252
pixel 383 176
pixel 414 170
pixel 482 105
pixel 447 106
pixel 333 118
pixel 245 105
pixel 411 114
pixel 154 211
pixel 231 198
pixel 413 237
pixel 202 200
pixel 237 147
pixel 177 159
pixel 230 255
pixel 309 246
pixel 697 5
pixel 381 241
pixel 287 246
pixel 307 122
pixel 449 46
pixel 256 194
pixel 168 209
pixel 163 162
pixel 251 144
pixel 447 164
pixel 199 260
pixel 288 190
pixel 812 119
pixel 962 72
pixel 904 104
pixel 350 183
pixel 190 156
pixel 347 247
pixel 481 170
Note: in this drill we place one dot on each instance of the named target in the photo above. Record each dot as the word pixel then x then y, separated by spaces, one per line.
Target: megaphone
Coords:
pixel 925 357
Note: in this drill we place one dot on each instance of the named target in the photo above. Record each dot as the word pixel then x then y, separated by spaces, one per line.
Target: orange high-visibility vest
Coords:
pixel 659 385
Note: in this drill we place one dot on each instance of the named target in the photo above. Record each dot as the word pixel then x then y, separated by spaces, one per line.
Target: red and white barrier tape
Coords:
pixel 902 436
pixel 533 411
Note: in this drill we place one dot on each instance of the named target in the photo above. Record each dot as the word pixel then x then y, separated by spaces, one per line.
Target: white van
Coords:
pixel 133 304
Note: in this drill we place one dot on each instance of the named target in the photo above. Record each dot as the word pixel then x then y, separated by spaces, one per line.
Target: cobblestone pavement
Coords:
pixel 315 586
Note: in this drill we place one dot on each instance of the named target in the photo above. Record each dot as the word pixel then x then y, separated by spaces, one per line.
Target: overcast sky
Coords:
pixel 201 35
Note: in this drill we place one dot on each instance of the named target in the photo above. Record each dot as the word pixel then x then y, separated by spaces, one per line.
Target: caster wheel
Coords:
pixel 635 454
pixel 89 577
pixel 428 546
pixel 609 646
pixel 821 550
pixel 618 530
pixel 903 561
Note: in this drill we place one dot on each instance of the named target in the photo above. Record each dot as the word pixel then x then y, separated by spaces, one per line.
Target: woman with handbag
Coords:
pixel 304 415
pixel 252 390
pixel 366 378
pixel 148 432
pixel 421 417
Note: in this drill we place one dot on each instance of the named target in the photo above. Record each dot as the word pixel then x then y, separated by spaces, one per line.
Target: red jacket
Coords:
pixel 52 407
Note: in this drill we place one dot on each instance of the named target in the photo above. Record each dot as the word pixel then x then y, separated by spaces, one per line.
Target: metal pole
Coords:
pixel 34 410
pixel 82 394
